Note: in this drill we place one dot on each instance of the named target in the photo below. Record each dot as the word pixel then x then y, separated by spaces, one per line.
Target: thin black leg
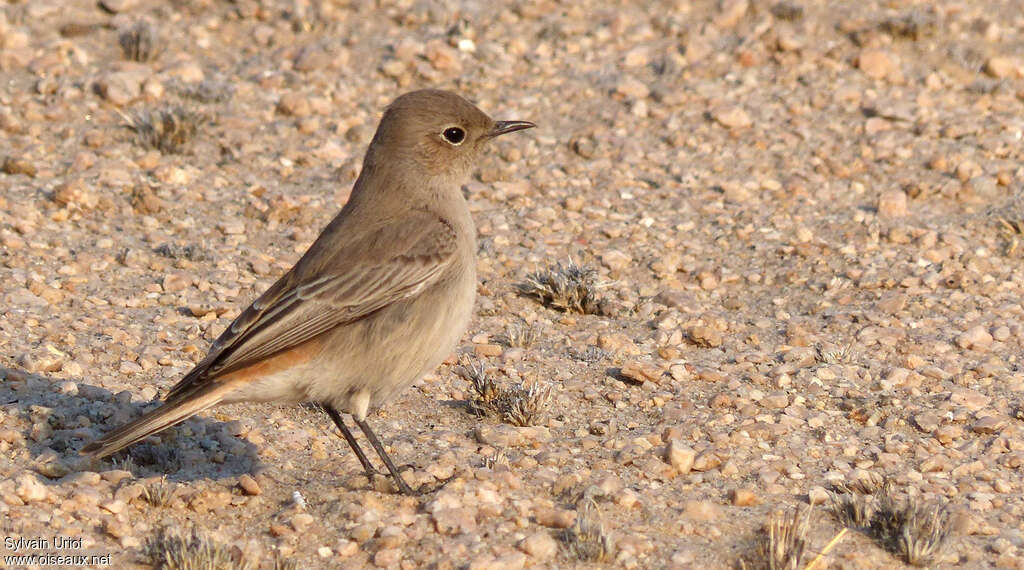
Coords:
pixel 367 466
pixel 402 485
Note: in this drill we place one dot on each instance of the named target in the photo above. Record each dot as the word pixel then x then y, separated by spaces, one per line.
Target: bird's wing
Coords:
pixel 331 285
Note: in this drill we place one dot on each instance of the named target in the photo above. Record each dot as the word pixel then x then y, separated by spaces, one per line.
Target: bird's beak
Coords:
pixel 503 127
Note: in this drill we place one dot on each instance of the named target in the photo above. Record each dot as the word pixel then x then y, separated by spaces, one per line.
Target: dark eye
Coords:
pixel 454 135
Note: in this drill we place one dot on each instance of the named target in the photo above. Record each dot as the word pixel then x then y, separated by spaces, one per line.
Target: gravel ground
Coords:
pixel 802 222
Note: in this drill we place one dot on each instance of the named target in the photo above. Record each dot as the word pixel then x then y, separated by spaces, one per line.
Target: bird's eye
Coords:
pixel 454 135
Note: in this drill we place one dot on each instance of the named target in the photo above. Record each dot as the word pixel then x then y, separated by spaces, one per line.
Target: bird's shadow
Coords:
pixel 45 421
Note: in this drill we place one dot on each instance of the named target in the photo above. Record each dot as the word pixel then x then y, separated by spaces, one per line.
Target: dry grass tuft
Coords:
pixel 835 355
pixel 586 539
pixel 519 335
pixel 124 463
pixel 175 550
pixel 870 484
pixel 851 511
pixel 169 130
pixel 519 405
pixel 206 91
pixel 282 564
pixel 914 26
pixel 571 288
pixel 497 460
pixel 916 532
pixel 140 42
pixel 159 493
pixel 784 543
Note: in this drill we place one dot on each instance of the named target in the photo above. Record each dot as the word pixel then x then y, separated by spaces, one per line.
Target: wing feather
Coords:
pixel 326 289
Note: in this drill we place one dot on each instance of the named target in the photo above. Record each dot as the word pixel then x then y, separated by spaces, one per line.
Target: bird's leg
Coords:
pixel 367 466
pixel 402 485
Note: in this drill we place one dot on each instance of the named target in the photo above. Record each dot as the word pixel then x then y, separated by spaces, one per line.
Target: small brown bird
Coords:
pixel 378 300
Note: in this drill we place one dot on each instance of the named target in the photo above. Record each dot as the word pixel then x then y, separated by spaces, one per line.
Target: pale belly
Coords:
pixel 368 362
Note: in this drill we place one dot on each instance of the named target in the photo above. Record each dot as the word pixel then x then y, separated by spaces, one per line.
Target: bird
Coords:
pixel 379 299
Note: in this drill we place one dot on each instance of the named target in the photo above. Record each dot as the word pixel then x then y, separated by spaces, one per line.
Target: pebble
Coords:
pixel 554 518
pixel 294 105
pixel 680 456
pixel 732 117
pixel 30 489
pixel 1002 67
pixel 744 497
pixel 641 372
pixel 539 545
pixel 892 204
pixel 616 260
pixel 876 63
pixel 633 88
pixel 249 485
pixel 705 336
pixel 18 165
pixel 120 87
pixel 975 338
pixel 387 558
pixel 700 510
pixel 706 461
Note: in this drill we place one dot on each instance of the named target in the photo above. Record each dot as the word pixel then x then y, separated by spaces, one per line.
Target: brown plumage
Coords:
pixel 378 300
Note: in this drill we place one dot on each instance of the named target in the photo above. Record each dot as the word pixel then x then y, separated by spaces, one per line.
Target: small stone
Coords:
pixel 633 88
pixel 120 87
pixel 617 342
pixel 115 476
pixel 1003 67
pixel 18 165
pixel 775 400
pixel 616 260
pixel 975 338
pixel 927 422
pixel 301 521
pixel 454 521
pixel 540 545
pixel 744 498
pixel 947 434
pixel 585 147
pixel 387 558
pixel 294 105
pixel 705 336
pixel 892 204
pixel 730 13
pixel 818 496
pixel 488 350
pixel 700 510
pixel 176 282
pixel 249 485
pixel 680 456
pixel 989 425
pixel 706 461
pixel 314 57
pixel 641 372
pixel 732 117
pixel 442 56
pixel 232 227
pixel 876 63
pixel 510 561
pixel 75 193
pixel 555 518
pixel 30 489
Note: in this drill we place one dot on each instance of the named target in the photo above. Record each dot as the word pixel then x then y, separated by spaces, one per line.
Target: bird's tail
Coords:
pixel 157 420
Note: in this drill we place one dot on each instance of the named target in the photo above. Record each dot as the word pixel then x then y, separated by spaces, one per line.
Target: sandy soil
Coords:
pixel 804 217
